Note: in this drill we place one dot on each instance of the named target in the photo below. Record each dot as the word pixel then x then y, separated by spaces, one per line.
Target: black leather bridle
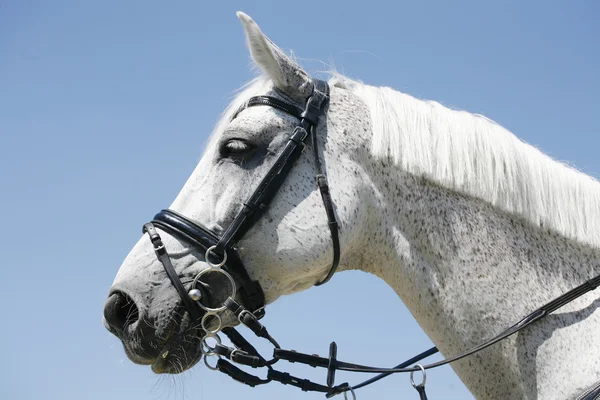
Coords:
pixel 221 255
pixel 224 246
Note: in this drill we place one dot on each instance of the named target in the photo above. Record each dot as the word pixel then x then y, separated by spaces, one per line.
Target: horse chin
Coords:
pixel 178 355
pixel 172 348
pixel 181 347
pixel 175 355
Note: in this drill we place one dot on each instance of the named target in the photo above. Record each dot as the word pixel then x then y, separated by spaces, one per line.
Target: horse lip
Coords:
pixel 169 358
pixel 160 364
pixel 144 354
pixel 138 359
pixel 163 364
pixel 164 361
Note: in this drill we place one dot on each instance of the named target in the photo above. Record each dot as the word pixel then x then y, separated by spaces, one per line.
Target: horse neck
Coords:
pixel 467 271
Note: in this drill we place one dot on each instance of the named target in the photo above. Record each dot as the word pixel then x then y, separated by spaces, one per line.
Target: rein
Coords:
pixel 247 301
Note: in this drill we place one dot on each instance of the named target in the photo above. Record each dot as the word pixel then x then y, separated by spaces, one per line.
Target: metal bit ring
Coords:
pixel 205 348
pixel 204 320
pixel 412 382
pixel 233 289
pixel 207 257
pixel 208 365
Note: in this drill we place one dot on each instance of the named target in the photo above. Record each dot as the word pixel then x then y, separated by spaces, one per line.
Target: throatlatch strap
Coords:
pixel 312 113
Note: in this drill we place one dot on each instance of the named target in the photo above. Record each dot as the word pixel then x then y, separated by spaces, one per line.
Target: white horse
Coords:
pixel 471 227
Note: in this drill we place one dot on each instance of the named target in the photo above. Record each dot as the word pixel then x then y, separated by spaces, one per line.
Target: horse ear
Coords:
pixel 287 76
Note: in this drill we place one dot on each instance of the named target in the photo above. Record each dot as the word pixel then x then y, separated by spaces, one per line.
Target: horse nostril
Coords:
pixel 120 311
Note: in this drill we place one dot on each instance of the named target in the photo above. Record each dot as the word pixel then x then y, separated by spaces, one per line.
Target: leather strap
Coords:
pixel 254 207
pixel 240 342
pixel 249 320
pixel 421 390
pixel 268 187
pixel 274 375
pixel 304 384
pixel 271 102
pixel 237 374
pixel 240 356
pixel 592 393
pixel 331 218
pixel 411 361
pixel 163 257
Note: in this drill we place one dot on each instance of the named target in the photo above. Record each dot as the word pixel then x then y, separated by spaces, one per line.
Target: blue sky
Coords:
pixel 90 90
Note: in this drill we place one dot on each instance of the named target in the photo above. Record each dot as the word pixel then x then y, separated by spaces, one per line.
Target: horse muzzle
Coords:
pixel 160 334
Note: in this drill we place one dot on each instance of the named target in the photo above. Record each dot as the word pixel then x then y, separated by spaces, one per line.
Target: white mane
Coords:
pixel 471 154
pixel 474 155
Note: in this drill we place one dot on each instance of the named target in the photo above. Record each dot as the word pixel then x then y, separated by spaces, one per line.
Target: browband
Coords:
pixel 270 101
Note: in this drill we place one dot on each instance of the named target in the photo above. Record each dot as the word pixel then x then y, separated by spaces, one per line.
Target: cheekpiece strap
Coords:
pixel 269 185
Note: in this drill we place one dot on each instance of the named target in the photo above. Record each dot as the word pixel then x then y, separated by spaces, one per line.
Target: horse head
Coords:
pixel 287 249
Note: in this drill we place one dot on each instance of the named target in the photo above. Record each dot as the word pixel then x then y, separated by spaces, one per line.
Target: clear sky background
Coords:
pixel 105 108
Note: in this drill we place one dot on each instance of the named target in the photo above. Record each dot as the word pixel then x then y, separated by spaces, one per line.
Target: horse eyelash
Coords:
pixel 236 146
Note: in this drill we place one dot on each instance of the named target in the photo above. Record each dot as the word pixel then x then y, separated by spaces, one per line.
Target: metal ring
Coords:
pixel 210 366
pixel 233 289
pixel 204 345
pixel 351 391
pixel 412 382
pixel 205 318
pixel 207 254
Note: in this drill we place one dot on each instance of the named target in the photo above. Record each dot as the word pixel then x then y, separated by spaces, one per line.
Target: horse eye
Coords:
pixel 235 147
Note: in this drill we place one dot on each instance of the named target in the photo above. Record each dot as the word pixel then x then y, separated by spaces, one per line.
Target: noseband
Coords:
pixel 247 300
